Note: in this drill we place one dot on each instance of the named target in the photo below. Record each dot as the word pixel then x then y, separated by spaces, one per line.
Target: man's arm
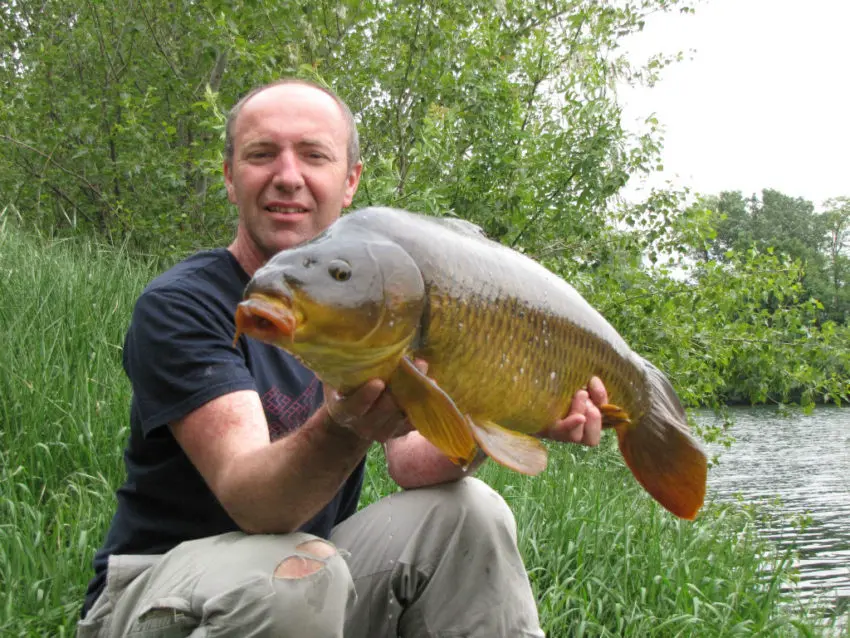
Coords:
pixel 413 461
pixel 275 487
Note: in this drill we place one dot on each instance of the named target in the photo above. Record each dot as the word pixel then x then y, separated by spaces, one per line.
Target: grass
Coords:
pixel 603 558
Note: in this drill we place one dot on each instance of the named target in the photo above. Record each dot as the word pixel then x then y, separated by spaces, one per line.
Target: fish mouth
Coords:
pixel 269 319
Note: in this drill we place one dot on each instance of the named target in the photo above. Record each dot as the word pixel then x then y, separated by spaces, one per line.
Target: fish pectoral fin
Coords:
pixel 614 416
pixel 515 450
pixel 433 413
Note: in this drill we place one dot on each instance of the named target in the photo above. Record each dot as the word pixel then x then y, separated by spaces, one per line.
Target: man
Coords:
pixel 240 467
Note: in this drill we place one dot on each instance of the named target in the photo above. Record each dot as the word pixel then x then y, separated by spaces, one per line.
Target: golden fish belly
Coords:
pixel 503 361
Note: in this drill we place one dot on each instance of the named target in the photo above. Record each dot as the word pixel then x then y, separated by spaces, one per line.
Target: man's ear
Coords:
pixel 352 181
pixel 228 181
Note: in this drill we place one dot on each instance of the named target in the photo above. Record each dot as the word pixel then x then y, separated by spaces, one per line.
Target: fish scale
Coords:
pixel 476 371
pixel 512 359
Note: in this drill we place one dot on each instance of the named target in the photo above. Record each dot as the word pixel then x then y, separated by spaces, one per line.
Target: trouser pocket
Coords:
pixel 168 617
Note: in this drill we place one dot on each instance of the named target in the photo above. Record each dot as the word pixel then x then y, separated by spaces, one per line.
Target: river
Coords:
pixel 798 467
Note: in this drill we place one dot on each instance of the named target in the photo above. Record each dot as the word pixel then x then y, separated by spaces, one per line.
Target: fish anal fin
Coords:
pixel 614 416
pixel 519 452
pixel 432 412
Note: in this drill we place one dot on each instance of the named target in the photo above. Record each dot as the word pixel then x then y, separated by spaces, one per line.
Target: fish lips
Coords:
pixel 266 318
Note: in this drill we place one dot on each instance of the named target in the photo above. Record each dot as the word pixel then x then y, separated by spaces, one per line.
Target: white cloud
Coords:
pixel 764 102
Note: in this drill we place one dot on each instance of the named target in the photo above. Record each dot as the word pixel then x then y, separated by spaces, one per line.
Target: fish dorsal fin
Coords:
pixel 519 452
pixel 432 412
pixel 463 226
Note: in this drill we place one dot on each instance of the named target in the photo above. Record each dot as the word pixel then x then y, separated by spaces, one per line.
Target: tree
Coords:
pixel 837 223
pixel 788 226
pixel 111 113
pixel 728 327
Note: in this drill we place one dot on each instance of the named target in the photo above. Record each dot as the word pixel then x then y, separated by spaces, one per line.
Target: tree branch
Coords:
pixel 50 159
pixel 157 42
pixel 58 191
pixel 402 157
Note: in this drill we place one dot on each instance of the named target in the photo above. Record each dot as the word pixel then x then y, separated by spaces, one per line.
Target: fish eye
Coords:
pixel 339 270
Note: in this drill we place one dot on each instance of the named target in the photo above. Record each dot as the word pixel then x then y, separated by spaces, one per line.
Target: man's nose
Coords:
pixel 288 175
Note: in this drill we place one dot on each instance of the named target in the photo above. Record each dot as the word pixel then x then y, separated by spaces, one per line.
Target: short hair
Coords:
pixel 353 149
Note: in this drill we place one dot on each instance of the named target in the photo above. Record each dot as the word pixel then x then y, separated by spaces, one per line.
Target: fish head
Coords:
pixel 348 305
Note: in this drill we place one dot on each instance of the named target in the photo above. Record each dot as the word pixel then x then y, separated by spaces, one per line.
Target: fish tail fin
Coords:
pixel 660 450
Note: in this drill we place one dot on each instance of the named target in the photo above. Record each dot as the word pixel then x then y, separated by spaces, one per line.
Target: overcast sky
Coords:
pixel 762 102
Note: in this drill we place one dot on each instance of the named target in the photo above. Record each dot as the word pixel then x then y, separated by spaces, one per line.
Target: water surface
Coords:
pixel 798 467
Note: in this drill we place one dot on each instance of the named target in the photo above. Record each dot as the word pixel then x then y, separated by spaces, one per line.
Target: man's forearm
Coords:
pixel 277 488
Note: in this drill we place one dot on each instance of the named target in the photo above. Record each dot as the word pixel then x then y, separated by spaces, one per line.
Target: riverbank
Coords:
pixel 603 558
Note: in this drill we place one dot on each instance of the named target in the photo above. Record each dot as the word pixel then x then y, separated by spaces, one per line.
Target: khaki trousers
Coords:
pixel 435 562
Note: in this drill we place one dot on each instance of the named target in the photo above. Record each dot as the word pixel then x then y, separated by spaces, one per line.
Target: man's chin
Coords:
pixel 284 239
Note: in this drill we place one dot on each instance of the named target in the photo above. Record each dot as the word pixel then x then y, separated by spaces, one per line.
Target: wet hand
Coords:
pixel 370 412
pixel 583 423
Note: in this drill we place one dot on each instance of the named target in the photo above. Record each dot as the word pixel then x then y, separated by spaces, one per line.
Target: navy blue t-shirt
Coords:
pixel 178 355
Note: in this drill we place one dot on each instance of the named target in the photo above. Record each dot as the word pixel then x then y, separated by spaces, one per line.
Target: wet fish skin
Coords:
pixel 508 344
pixel 492 309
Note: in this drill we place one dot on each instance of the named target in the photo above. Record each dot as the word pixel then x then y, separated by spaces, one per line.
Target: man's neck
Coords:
pixel 250 259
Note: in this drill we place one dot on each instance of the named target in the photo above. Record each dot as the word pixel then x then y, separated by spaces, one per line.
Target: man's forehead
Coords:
pixel 305 105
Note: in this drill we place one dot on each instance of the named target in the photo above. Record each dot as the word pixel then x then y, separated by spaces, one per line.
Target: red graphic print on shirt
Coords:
pixel 285 413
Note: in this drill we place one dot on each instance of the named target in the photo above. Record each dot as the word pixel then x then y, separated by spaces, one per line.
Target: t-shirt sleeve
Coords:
pixel 178 355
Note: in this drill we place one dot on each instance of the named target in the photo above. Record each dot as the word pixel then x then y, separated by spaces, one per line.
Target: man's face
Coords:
pixel 289 176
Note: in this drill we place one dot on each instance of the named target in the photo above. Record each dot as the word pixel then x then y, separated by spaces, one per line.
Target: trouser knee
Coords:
pixel 312 591
pixel 478 511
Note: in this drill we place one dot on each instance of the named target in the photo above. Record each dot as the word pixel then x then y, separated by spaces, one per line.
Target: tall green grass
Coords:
pixel 604 559
pixel 607 561
pixel 63 420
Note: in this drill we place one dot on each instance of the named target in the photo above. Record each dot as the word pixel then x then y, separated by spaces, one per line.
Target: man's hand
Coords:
pixel 583 423
pixel 370 412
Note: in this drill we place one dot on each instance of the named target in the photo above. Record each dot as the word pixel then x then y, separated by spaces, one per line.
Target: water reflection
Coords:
pixel 799 466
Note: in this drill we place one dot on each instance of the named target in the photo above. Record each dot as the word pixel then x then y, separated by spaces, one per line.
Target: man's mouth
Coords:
pixel 286 210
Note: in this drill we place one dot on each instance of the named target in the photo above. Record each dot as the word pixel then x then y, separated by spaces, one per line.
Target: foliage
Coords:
pixel 836 294
pixel 739 327
pixel 111 113
pixel 791 227
pixel 63 413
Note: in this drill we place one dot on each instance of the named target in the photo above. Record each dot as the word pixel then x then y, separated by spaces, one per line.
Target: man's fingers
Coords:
pixel 346 409
pixel 583 424
pixel 579 404
pixel 369 411
pixel 421 365
pixel 576 435
pixel 596 390
pixel 592 434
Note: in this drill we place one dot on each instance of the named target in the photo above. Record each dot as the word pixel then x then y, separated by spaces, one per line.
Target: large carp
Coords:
pixel 507 342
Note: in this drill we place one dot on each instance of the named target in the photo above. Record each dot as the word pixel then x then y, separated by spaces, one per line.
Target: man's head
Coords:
pixel 291 165
pixel 353 149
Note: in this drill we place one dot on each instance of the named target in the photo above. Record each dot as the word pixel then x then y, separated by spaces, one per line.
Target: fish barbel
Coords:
pixel 508 343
